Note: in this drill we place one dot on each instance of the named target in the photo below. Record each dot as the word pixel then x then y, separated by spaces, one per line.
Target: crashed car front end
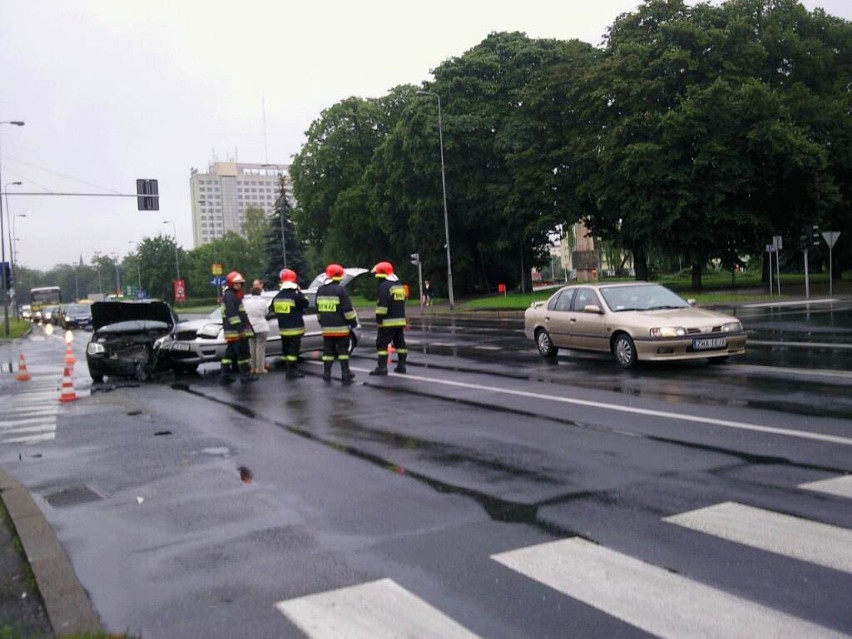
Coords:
pixel 126 342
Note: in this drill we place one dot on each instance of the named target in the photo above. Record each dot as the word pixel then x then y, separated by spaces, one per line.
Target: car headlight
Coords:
pixel 668 331
pixel 732 327
pixel 95 348
pixel 210 330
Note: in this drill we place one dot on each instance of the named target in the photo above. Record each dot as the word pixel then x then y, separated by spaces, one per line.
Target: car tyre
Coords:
pixel 185 369
pixel 624 350
pixel 97 378
pixel 545 344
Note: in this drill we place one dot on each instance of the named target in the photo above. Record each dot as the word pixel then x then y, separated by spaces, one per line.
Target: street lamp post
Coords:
pixel 282 194
pixel 14 247
pixel 8 285
pixel 174 234
pixel 3 246
pixel 138 270
pixel 444 190
pixel 117 276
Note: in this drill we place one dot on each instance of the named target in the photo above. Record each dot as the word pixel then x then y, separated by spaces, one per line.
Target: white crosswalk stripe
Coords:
pixel 828 546
pixel 649 597
pixel 373 610
pixel 29 416
pixel 839 486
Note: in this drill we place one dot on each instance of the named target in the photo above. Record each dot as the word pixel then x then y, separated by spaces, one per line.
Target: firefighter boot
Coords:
pixel 292 371
pixel 346 376
pixel 381 366
pixel 246 376
pixel 225 376
pixel 326 371
pixel 400 364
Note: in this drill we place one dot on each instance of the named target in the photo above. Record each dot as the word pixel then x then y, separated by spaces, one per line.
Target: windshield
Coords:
pixel 646 297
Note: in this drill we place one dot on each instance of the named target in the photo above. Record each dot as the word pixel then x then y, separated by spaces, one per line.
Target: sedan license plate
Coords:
pixel 709 343
pixel 180 347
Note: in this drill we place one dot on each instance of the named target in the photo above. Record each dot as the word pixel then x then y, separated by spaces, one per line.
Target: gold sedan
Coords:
pixel 635 321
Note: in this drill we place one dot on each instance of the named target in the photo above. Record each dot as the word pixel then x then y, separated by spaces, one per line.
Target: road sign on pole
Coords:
pixel 830 238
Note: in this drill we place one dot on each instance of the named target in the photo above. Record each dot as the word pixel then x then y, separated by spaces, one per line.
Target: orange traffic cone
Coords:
pixel 23 375
pixel 69 355
pixel 68 392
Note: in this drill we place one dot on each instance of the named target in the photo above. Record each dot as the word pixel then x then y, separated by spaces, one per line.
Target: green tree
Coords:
pixel 286 253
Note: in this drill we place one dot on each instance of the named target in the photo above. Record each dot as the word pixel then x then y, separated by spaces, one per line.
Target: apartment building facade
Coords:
pixel 221 196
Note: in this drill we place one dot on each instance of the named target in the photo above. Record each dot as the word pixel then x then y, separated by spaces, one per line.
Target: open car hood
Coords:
pixel 106 313
pixel 349 274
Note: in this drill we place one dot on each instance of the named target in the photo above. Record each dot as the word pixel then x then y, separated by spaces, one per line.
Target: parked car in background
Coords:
pixel 27 312
pixel 635 321
pixel 127 338
pixel 49 314
pixel 202 341
pixel 76 316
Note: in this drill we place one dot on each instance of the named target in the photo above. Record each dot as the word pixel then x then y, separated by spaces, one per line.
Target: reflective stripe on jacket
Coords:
pixel 289 306
pixel 334 310
pixel 235 322
pixel 390 305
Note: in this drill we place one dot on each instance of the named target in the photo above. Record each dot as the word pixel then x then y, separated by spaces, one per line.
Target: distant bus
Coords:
pixel 42 296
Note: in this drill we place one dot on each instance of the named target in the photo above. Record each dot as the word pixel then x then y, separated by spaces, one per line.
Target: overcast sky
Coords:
pixel 113 90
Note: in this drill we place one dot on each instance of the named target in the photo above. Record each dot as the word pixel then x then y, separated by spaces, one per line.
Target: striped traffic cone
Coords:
pixel 68 392
pixel 23 375
pixel 69 355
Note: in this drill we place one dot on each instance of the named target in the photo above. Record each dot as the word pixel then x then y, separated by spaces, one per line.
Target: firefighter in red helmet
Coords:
pixel 337 318
pixel 390 319
pixel 237 329
pixel 289 306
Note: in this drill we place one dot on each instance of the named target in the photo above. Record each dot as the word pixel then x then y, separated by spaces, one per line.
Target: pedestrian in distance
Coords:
pixel 427 293
pixel 337 318
pixel 237 327
pixel 390 319
pixel 256 308
pixel 289 306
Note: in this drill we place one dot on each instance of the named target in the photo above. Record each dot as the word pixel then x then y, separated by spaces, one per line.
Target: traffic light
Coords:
pixel 415 258
pixel 7 277
pixel 815 236
pixel 147 195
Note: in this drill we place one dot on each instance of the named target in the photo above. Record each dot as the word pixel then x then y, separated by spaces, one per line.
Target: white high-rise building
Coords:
pixel 221 196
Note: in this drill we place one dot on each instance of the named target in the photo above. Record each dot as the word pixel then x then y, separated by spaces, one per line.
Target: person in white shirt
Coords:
pixel 256 309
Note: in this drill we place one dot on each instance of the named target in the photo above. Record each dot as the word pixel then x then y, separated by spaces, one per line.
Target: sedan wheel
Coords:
pixel 544 344
pixel 624 350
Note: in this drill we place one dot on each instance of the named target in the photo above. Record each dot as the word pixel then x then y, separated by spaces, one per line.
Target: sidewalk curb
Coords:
pixel 68 607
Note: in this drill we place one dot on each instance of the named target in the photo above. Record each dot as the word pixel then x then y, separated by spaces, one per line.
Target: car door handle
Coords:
pixel 573 320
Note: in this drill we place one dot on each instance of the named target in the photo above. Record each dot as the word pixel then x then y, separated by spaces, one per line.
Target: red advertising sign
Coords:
pixel 180 290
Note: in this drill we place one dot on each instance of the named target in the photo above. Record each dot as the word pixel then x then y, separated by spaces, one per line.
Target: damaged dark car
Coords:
pixel 126 339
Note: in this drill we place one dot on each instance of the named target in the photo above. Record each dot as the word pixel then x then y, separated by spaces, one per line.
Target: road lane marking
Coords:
pixel 840 486
pixel 810 541
pixel 823 345
pixel 648 597
pixel 827 300
pixel 834 439
pixel 374 610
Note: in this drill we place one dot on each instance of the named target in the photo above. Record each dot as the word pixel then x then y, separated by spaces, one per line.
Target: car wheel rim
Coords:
pixel 623 351
pixel 543 342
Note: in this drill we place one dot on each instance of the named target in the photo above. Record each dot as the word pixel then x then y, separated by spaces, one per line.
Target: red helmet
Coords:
pixel 234 277
pixel 334 271
pixel 383 269
pixel 287 275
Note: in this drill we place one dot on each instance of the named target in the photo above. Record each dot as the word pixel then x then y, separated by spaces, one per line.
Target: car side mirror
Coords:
pixel 592 308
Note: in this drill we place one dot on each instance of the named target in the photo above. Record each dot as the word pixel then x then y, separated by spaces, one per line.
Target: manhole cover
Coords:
pixel 71 496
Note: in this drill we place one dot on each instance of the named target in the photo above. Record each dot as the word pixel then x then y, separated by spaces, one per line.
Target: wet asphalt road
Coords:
pixel 482 449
